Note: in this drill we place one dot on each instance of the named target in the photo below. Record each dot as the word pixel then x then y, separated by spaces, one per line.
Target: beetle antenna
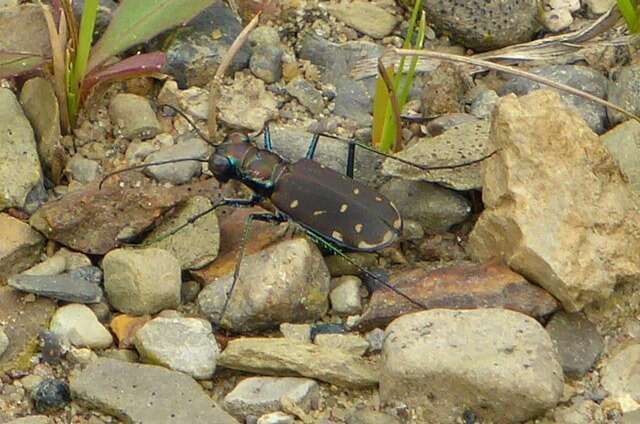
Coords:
pixel 406 162
pixel 145 165
pixel 189 120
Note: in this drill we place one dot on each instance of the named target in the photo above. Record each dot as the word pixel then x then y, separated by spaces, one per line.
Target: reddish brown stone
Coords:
pixel 232 222
pixel 489 285
pixel 95 221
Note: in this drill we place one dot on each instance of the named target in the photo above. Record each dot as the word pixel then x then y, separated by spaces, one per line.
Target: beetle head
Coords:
pixel 228 156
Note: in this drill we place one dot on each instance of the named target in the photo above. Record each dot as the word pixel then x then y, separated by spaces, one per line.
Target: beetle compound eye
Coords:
pixel 220 166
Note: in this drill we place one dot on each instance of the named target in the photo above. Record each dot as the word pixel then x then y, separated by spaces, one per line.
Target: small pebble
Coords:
pixel 276 418
pixel 345 297
pixel 134 116
pixel 79 325
pixel 301 332
pixel 375 338
pixel 51 395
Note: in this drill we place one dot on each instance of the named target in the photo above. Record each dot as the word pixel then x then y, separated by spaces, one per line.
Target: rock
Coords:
pixel 364 17
pixel 247 105
pixel 82 170
pixel 189 291
pixel 20 175
pixel 194 54
pixel 571 5
pixel 335 60
pixel 576 76
pixel 230 219
pixel 266 63
pixel 598 7
pixel 624 80
pixel 78 325
pixel 13 38
pixel 467 286
pixel 51 395
pixel 375 338
pixel 482 106
pixel 141 281
pixel 41 107
pixel 4 342
pixel 126 391
pixel 125 355
pixel 180 172
pixel 133 115
pixel 345 297
pixel 22 321
pixel 339 266
pixel 51 266
pixel 499 364
pixel 466 142
pixel 52 347
pixel 261 395
pixel 444 89
pixel 443 123
pixel 500 24
pixel 288 282
pixel 556 20
pixel 125 327
pixel 276 418
pixel 306 94
pixel 575 240
pixel 371 417
pixel 194 100
pixel 182 344
pixel 95 221
pixel 32 419
pixel 353 101
pixel 578 342
pixel 580 412
pixel 620 376
pixel 436 209
pixel 298 332
pixel 272 356
pixel 620 142
pixel 631 417
pixel 353 344
pixel 79 286
pixel 20 246
pixel 72 260
pixel 195 245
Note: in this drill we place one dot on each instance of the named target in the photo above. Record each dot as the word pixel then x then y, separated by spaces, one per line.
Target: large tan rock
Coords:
pixel 558 210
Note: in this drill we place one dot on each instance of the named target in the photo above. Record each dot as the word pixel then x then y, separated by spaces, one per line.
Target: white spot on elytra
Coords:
pixel 294 204
pixel 316 213
pixel 356 191
pixel 358 228
pixel 378 198
pixel 344 207
pixel 397 224
pixel 336 235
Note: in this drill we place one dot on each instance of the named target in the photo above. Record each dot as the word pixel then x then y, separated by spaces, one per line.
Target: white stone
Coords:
pixel 556 20
pixel 79 326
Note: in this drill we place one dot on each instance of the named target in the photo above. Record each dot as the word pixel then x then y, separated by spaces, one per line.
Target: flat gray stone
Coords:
pixel 463 143
pixel 179 172
pixel 285 357
pixel 78 286
pixel 145 394
pixel 623 144
pixel 364 17
pixel 620 376
pixel 133 115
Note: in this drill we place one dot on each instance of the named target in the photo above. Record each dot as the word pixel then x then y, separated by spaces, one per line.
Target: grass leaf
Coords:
pixel 629 10
pixel 136 21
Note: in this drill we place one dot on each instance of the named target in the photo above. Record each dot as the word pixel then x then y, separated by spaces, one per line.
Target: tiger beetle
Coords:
pixel 335 210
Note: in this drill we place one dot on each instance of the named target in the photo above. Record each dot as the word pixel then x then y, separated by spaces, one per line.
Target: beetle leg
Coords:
pixel 311 151
pixel 264 217
pixel 351 158
pixel 267 138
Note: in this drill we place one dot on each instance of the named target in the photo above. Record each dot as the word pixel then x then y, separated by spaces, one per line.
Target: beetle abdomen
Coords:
pixel 341 209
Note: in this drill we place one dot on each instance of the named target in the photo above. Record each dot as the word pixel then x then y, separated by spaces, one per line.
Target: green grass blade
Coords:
pixel 408 81
pixel 629 10
pixel 380 102
pixel 136 21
